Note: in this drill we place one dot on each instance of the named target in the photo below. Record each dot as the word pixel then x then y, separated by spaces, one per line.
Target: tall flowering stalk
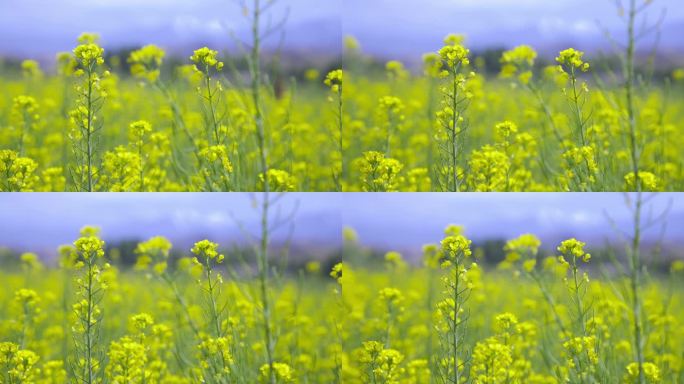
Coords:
pixel 89 101
pixel 334 81
pixel 214 346
pixel 572 252
pixel 254 59
pixel 581 347
pixel 256 77
pixel 337 320
pixel 638 182
pixel 264 270
pixel 205 62
pixel 571 64
pixel 631 108
pixel 215 164
pixel 635 285
pixel 90 287
pixel 206 253
pixel 579 154
pixel 455 251
pixel 451 117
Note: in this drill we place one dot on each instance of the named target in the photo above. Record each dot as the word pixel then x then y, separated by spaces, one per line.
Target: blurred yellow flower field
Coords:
pixel 197 315
pixel 88 129
pixel 549 126
pixel 168 320
pixel 532 319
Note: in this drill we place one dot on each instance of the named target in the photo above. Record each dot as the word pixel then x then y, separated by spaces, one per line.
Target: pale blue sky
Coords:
pixel 402 29
pixel 42 221
pixel 407 27
pixel 402 221
pixel 405 221
pixel 40 28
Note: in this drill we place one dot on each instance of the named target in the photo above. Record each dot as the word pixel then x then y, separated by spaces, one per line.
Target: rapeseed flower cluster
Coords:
pixel 334 80
pixel 206 58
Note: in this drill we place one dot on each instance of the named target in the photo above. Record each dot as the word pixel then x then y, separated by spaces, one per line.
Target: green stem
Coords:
pixel 549 300
pixel 635 285
pixel 629 94
pixel 453 133
pixel 263 284
pixel 340 142
pixel 89 374
pixel 89 129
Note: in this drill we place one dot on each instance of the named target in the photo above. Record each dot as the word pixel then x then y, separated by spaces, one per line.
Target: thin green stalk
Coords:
pixel 213 310
pixel 635 266
pixel 549 300
pixel 635 286
pixel 453 143
pixel 24 326
pixel 256 91
pixel 577 108
pixel 65 310
pixel 89 127
pixel 25 128
pixel 263 284
pixel 455 336
pixel 210 100
pixel 388 329
pixel 88 336
pixel 338 185
pixel 263 157
pixel 629 95
pixel 181 302
pixel 142 168
pixel 389 134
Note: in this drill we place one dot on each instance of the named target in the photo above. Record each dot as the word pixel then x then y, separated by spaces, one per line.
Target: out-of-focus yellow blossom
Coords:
pixel 146 62
pixel 278 181
pixel 648 181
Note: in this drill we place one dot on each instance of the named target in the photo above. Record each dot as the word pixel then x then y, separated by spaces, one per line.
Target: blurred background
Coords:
pixel 404 222
pixel 312 223
pixel 305 32
pixel 313 29
pixel 305 226
pixel 405 29
pixel 408 220
pixel 42 28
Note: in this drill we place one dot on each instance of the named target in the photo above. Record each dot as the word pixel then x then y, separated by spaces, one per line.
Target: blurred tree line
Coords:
pixel 240 259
